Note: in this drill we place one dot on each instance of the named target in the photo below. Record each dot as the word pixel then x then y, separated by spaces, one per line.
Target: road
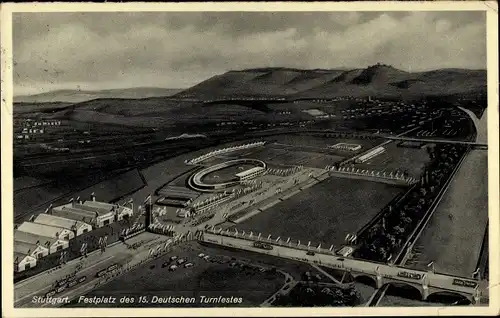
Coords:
pixel 439 141
pixel 401 258
pixel 461 216
pixel 40 284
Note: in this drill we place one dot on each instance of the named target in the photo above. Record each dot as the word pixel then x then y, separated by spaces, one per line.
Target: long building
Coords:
pixel 53 244
pixel 31 249
pixel 346 147
pixel 46 230
pixel 69 212
pixel 78 227
pixel 94 213
pixel 250 173
pixel 370 154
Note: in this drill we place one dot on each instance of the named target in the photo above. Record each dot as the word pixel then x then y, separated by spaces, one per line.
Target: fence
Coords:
pixel 278 241
pixel 400 177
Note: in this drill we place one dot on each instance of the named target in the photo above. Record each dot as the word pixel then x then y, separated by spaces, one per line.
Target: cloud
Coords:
pixel 112 50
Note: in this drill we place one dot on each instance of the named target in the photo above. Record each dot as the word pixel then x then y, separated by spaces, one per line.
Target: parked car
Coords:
pixel 187 265
pixel 173 258
pixel 172 267
pixel 181 261
pixel 82 279
pixel 201 255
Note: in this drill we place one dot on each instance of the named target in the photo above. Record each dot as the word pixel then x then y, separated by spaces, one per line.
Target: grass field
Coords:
pixel 410 159
pixel 321 142
pixel 454 244
pixel 324 213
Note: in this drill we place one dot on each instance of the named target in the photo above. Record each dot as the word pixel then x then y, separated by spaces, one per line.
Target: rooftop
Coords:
pixel 40 229
pixel 19 256
pixel 24 247
pixel 33 238
pixel 58 221
pixel 100 205
pixel 249 171
pixel 92 208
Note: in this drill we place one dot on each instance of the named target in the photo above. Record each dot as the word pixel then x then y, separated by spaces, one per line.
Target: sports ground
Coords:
pixel 324 213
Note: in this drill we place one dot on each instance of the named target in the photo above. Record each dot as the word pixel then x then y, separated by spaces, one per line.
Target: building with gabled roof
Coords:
pixel 47 230
pixel 31 249
pixel 53 244
pixel 23 262
pixel 78 227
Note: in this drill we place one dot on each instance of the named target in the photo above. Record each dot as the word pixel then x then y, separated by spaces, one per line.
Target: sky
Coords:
pixel 105 50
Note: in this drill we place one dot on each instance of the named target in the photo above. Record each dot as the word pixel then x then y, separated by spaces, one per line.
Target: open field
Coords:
pixel 28 182
pixel 308 216
pixel 36 200
pixel 460 217
pixel 404 159
pixel 206 278
pixel 319 141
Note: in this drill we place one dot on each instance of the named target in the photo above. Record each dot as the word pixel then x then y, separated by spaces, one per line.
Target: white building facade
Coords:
pixel 370 154
pixel 251 173
pixel 23 262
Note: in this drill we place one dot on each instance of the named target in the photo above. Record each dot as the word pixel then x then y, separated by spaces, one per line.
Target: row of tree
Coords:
pixel 387 236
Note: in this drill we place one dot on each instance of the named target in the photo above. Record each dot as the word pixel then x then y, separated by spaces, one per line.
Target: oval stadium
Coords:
pixel 226 175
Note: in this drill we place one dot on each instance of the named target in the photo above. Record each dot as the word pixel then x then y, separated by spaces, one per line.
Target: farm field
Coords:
pixel 307 216
pixel 461 216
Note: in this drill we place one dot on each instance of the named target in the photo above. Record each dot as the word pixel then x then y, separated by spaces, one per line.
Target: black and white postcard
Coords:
pixel 250 159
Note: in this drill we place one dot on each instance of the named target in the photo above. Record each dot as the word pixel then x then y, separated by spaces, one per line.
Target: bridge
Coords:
pixel 473 144
pixel 426 283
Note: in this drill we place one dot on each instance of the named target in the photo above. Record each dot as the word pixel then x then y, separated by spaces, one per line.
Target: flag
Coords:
pixel 147 201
